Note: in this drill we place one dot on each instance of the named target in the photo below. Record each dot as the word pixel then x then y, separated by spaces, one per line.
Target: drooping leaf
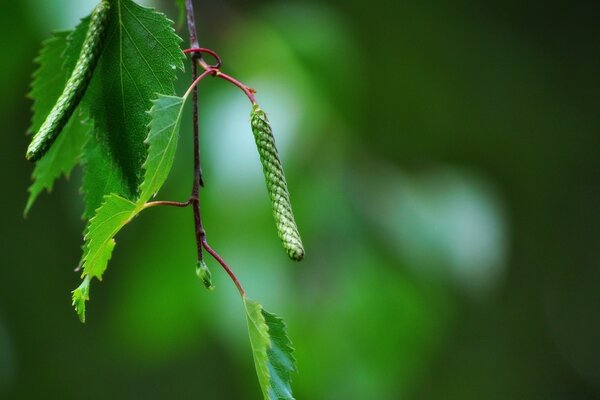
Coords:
pixel 139 61
pixel 114 213
pixel 48 83
pixel 162 143
pixel 272 351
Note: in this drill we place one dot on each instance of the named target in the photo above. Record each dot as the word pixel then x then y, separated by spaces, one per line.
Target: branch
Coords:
pixel 198 181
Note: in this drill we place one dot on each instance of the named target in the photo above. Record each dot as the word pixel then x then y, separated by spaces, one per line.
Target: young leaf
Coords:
pixel 162 143
pixel 272 351
pixel 48 83
pixel 140 58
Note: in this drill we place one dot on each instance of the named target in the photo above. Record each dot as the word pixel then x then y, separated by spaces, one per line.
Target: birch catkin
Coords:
pixel 76 85
pixel 276 185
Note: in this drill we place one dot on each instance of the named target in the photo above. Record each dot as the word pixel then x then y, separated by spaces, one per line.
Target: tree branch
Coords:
pixel 198 181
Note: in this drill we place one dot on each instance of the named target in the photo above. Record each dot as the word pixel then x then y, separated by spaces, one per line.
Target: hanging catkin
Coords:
pixel 276 185
pixel 76 84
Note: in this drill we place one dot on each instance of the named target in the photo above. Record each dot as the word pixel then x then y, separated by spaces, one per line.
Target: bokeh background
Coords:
pixel 443 160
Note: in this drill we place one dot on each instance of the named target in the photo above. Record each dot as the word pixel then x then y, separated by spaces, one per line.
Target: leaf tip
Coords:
pixel 80 296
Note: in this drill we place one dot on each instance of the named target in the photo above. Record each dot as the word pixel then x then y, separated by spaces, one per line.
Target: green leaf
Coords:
pixel 48 83
pixel 80 296
pixel 162 143
pixel 114 213
pixel 272 351
pixel 140 59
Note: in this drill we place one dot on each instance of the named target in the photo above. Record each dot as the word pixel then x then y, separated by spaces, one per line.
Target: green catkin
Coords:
pixel 276 185
pixel 76 85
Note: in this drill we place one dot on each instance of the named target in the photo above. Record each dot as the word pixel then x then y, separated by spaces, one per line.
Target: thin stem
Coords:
pixel 216 72
pixel 168 203
pixel 220 260
pixel 197 81
pixel 191 22
pixel 247 90
pixel 202 50
pixel 198 181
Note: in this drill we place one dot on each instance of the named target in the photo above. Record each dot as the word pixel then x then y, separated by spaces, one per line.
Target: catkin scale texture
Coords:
pixel 76 85
pixel 276 185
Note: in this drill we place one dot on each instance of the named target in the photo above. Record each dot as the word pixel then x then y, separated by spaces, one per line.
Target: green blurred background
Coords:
pixel 443 163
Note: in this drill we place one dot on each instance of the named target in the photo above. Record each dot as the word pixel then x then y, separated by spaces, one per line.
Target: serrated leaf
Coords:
pixel 272 351
pixel 80 296
pixel 162 143
pixel 140 58
pixel 48 83
pixel 114 213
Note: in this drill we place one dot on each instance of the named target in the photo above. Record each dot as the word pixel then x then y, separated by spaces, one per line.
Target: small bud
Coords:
pixel 204 274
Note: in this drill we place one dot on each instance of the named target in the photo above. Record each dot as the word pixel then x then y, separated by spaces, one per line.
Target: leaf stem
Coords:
pixel 220 260
pixel 197 80
pixel 168 203
pixel 249 92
